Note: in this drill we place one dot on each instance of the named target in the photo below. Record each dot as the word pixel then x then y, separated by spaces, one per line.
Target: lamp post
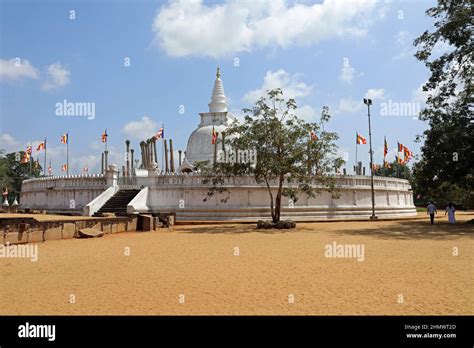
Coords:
pixel 368 102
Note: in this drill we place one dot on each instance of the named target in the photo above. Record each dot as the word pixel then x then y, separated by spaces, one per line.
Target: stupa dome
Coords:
pixel 200 147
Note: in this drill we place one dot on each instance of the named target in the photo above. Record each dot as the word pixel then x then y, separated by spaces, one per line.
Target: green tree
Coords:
pixel 396 170
pixel 285 151
pixel 448 150
pixel 13 172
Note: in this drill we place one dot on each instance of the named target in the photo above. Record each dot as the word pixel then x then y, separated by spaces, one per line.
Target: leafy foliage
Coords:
pixel 12 173
pixel 448 150
pixel 285 153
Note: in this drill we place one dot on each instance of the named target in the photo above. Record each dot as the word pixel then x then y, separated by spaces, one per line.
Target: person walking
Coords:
pixel 450 211
pixel 431 209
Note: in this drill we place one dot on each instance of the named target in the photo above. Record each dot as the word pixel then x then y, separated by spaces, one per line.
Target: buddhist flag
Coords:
pixel 25 158
pixel 400 147
pixel 28 149
pixel 50 170
pixel 41 146
pixel 104 136
pixel 37 164
pixel 214 136
pixel 160 133
pixel 360 139
pixel 64 138
pixel 313 135
pixel 399 159
pixel 64 168
pixel 375 167
pixel 385 148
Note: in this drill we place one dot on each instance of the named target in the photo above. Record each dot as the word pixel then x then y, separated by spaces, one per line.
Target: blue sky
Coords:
pixel 323 53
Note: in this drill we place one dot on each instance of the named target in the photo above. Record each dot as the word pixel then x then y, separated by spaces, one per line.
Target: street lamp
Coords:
pixel 368 102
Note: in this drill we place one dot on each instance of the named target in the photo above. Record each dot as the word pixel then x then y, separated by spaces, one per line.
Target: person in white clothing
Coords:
pixel 431 209
pixel 450 211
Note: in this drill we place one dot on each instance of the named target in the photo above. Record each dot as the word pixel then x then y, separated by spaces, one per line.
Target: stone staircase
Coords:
pixel 117 204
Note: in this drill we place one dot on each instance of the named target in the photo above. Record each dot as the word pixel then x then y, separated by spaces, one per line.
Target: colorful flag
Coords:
pixel 25 158
pixel 214 136
pixel 360 139
pixel 400 147
pixel 64 167
pixel 104 136
pixel 386 164
pixel 375 167
pixel 313 135
pixel 41 146
pixel 28 149
pixel 50 170
pixel 385 148
pixel 160 133
pixel 64 138
pixel 399 159
pixel 37 164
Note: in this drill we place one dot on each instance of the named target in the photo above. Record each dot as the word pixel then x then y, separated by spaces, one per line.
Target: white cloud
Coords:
pixel 141 129
pixel 57 76
pixel 292 87
pixel 290 84
pixel 192 28
pixel 375 94
pixel 348 105
pixel 347 71
pixel 9 143
pixel 404 44
pixel 16 69
pixel 307 113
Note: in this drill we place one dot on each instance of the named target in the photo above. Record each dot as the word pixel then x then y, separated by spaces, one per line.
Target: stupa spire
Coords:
pixel 218 99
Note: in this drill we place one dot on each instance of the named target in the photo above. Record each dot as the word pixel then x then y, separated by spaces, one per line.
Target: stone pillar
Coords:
pixel 166 156
pixel 127 146
pixel 147 154
pixel 171 156
pixel 142 150
pixel 111 175
pixel 155 153
pixel 132 166
pixel 179 157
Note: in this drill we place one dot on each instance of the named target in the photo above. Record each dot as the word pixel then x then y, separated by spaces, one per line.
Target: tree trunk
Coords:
pixel 278 199
pixel 272 210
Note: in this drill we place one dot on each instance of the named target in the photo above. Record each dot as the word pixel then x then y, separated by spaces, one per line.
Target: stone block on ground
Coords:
pixel 69 230
pixel 132 224
pixel 121 226
pixel 35 236
pixel 106 227
pixel 53 233
pixel 16 237
pixel 90 233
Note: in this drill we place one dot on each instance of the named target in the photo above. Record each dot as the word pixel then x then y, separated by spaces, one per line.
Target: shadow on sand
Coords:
pixel 398 230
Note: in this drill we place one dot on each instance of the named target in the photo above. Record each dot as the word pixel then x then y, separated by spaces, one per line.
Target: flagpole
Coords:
pixel 31 155
pixel 45 147
pixel 163 147
pixel 67 153
pixel 357 164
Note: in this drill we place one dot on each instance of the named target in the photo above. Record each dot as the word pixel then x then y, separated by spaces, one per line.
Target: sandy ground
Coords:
pixel 193 270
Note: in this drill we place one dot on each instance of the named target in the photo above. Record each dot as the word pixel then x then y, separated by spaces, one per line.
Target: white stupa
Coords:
pixel 199 146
